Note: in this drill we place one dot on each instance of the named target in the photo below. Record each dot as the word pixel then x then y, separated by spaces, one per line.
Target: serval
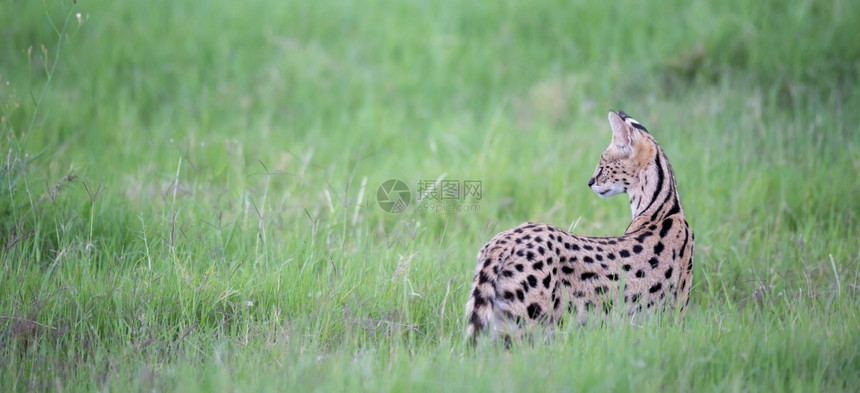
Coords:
pixel 529 275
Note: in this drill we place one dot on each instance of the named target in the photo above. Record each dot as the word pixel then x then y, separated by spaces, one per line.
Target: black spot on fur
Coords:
pixel 653 262
pixel 520 253
pixel 546 281
pixel 669 272
pixel 641 238
pixel 479 300
pixel 613 277
pixel 658 248
pixel 600 290
pixel 587 247
pixel 598 257
pixel 640 273
pixel 507 273
pixel 610 256
pixel 538 265
pixel 637 249
pixel 541 250
pixel 508 295
pixel 566 269
pixel 519 267
pixel 656 287
pixel 626 267
pixel 534 311
pixel 483 277
pixel 487 262
pixel 588 276
pixel 532 280
pixel 587 259
pixel 530 256
pixel 624 253
pixel 664 229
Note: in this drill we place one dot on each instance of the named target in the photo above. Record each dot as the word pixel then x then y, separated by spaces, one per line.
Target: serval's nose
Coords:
pixel 591 182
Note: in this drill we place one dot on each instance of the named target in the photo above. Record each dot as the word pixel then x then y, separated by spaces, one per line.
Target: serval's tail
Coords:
pixel 479 308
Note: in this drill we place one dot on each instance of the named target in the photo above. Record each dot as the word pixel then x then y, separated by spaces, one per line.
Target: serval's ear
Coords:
pixel 623 134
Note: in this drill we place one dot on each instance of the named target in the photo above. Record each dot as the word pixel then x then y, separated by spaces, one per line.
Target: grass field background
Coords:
pixel 189 190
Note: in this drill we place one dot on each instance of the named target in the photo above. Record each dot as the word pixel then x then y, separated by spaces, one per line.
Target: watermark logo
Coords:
pixel 393 196
pixel 432 196
pixel 450 190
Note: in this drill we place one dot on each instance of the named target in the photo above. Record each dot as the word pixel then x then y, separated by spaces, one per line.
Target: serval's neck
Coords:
pixel 656 195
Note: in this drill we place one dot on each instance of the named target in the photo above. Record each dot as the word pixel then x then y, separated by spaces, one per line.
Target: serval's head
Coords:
pixel 631 153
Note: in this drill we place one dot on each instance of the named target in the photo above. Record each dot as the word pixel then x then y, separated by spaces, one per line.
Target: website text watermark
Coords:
pixel 432 196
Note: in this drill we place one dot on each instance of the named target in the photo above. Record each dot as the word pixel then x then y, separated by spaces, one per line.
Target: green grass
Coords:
pixel 191 203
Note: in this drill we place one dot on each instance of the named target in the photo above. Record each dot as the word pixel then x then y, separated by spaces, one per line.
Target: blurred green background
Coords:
pixel 189 189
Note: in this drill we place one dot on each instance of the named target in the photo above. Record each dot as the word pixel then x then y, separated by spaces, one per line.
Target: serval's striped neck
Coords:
pixel 656 195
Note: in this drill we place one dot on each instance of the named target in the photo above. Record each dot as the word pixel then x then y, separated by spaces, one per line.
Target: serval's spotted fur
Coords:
pixel 533 273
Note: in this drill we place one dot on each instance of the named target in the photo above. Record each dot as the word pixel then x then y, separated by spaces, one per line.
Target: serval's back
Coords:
pixel 533 273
